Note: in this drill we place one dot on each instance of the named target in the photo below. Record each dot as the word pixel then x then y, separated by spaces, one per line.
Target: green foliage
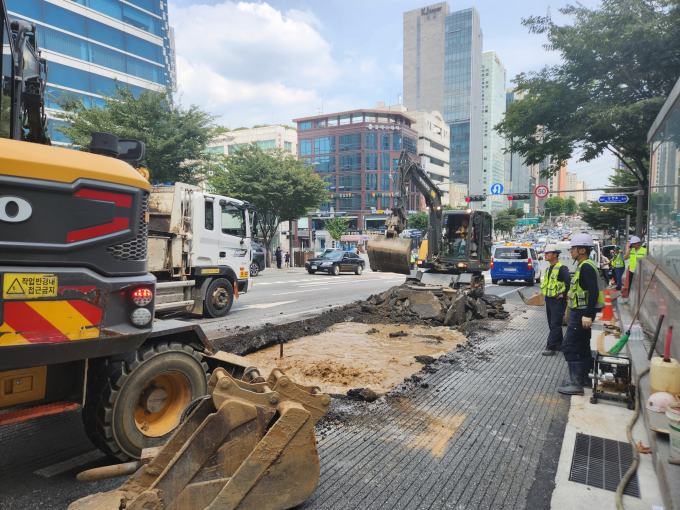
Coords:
pixel 554 206
pixel 604 216
pixel 618 64
pixel 512 211
pixel 220 130
pixel 175 138
pixel 570 206
pixel 279 185
pixel 662 207
pixel 447 207
pixel 336 227
pixel 418 220
pixel 5 115
pixel 505 225
pixel 582 206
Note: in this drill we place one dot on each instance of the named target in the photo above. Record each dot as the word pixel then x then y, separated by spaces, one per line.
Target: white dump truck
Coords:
pixel 198 249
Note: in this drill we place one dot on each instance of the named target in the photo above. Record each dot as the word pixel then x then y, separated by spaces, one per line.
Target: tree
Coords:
pixel 570 207
pixel 279 185
pixel 619 62
pixel 418 221
pixel 505 225
pixel 582 206
pixel 336 227
pixel 607 216
pixel 175 138
pixel 554 206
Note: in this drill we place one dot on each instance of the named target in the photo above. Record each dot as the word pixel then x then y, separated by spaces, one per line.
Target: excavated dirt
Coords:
pixel 350 356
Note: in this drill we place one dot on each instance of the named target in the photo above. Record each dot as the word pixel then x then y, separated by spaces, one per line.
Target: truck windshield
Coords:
pixel 233 222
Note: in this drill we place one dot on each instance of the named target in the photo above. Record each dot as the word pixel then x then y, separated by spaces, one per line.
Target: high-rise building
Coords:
pixel 572 184
pixel 89 44
pixel 443 72
pixel 519 177
pixel 266 137
pixel 493 110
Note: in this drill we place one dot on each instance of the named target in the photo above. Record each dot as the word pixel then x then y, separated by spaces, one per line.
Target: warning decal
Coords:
pixel 29 286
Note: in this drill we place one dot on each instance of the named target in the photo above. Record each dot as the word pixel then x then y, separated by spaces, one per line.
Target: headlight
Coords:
pixel 140 317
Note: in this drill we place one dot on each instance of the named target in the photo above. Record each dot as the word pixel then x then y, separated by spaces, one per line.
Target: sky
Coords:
pixel 270 62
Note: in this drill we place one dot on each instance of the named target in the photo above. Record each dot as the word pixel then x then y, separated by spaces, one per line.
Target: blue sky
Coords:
pixel 258 62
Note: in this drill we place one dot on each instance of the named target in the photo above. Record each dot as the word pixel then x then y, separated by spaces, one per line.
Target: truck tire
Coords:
pixel 218 298
pixel 135 399
pixel 254 269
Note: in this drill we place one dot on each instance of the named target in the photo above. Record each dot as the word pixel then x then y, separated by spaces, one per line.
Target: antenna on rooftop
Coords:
pixel 399 98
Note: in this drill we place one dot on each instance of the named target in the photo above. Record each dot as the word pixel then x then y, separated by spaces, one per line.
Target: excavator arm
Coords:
pixel 390 252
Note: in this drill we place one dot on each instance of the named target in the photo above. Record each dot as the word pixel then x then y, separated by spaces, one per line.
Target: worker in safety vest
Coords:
pixel 619 266
pixel 463 231
pixel 585 298
pixel 635 252
pixel 554 287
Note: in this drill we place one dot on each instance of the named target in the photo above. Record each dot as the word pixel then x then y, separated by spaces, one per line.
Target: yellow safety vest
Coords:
pixel 551 286
pixel 578 297
pixel 464 232
pixel 618 261
pixel 634 255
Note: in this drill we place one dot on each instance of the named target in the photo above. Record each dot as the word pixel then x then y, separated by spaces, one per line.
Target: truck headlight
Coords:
pixel 140 317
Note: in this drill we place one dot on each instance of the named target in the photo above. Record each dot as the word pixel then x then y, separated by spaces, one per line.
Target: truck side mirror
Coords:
pixel 131 151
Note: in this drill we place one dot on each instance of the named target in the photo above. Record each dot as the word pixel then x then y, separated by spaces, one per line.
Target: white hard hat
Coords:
pixel 658 401
pixel 634 239
pixel 552 248
pixel 582 240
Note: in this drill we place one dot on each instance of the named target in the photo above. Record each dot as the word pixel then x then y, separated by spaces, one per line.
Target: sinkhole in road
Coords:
pixel 351 355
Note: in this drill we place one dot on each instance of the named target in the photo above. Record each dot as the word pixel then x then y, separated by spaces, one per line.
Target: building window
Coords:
pixel 267 144
pixel 351 182
pixel 352 203
pixel 324 145
pixel 349 142
pixel 371 161
pixel 305 147
pixel 395 164
pixel 330 182
pixel 385 162
pixel 384 141
pixel 383 118
pixel 332 121
pixel 288 146
pixel 215 150
pixel 349 162
pixel 232 148
pixel 370 117
pixel 410 145
pixel 371 182
pixel 321 123
pixel 396 142
pixel 371 141
pixel 357 117
pixel 371 200
pixel 326 164
pixel 385 182
pixel 305 125
pixel 345 119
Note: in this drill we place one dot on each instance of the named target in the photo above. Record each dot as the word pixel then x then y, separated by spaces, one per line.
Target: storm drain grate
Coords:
pixel 601 463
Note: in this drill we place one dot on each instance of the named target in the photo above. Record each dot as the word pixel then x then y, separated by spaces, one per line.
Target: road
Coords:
pixel 42 457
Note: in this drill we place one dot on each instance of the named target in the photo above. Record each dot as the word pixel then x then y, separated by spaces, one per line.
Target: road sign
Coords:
pixel 496 189
pixel 527 221
pixel 613 199
pixel 541 191
pixel 494 214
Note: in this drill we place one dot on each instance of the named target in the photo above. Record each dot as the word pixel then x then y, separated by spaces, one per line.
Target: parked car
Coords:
pixel 257 265
pixel 332 262
pixel 515 262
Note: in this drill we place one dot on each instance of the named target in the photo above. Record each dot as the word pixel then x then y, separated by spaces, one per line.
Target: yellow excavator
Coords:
pixel 196 428
pixel 457 245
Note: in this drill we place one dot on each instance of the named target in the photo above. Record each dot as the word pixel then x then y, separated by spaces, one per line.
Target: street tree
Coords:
pixel 606 216
pixel 582 206
pixel 176 138
pixel 418 221
pixel 279 185
pixel 618 64
pixel 336 227
pixel 569 207
pixel 554 206
pixel 505 226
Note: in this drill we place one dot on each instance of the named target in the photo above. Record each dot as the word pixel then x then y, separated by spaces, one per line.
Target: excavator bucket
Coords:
pixel 248 445
pixel 536 300
pixel 390 254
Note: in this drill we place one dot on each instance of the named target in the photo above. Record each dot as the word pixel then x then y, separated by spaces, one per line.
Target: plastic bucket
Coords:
pixel 673 415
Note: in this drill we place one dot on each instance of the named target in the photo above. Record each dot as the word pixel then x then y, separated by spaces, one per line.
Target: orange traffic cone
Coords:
pixel 608 312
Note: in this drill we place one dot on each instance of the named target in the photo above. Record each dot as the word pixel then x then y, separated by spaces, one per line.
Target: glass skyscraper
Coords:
pixel 90 43
pixel 442 71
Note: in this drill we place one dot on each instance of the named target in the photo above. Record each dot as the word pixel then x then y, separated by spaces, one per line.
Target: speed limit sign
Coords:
pixel 542 191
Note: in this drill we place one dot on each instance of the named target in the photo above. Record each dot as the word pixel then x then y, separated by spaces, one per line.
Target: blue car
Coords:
pixel 515 262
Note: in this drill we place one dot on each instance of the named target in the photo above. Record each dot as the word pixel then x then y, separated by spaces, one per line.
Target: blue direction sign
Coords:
pixel 496 189
pixel 613 199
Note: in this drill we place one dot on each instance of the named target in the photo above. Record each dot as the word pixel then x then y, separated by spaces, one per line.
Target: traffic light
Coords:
pixel 475 198
pixel 519 196
pixel 622 228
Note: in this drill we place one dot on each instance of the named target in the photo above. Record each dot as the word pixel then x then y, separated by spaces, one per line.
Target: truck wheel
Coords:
pixel 254 269
pixel 135 399
pixel 218 298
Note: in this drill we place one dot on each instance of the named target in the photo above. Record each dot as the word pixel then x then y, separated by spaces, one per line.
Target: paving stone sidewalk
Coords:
pixel 484 433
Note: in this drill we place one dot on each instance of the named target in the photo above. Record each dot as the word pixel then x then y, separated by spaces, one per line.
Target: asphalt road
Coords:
pixel 40 458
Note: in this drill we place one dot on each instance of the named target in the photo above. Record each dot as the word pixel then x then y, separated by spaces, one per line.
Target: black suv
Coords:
pixel 257 264
pixel 335 261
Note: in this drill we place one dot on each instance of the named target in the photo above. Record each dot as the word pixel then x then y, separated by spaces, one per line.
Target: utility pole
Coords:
pixel 640 210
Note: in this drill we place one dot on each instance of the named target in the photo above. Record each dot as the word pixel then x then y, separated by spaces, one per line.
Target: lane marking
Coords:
pixel 296 292
pixel 267 305
pixel 67 465
pixel 508 292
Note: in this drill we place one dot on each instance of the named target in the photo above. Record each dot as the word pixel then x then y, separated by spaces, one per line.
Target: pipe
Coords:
pixel 104 472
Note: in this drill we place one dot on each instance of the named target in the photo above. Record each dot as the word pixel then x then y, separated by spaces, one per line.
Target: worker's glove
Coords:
pixel 587 322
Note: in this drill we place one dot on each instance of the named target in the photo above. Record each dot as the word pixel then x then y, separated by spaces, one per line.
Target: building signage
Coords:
pixel 429 10
pixel 383 126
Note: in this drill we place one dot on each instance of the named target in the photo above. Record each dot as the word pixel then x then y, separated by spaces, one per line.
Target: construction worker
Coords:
pixel 462 232
pixel 586 297
pixel 619 266
pixel 635 252
pixel 554 287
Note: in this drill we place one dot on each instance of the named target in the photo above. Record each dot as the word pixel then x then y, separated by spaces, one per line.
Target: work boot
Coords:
pixel 548 352
pixel 575 386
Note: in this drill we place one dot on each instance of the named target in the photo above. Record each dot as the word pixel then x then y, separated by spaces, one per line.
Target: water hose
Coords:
pixel 636 453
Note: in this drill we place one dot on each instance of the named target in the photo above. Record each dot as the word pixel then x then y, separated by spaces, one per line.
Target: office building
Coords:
pixel 442 72
pixel 90 43
pixel 266 137
pixel 356 153
pixel 493 110
pixel 571 183
pixel 457 194
pixel 520 177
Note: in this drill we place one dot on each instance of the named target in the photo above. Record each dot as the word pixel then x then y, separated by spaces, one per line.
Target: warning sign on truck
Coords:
pixel 29 286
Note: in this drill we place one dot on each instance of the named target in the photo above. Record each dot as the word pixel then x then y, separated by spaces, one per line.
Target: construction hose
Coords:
pixel 636 453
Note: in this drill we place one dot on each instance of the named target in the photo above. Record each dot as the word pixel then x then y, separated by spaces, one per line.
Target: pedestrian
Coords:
pixel 604 269
pixel 586 297
pixel 287 259
pixel 555 287
pixel 619 266
pixel 279 257
pixel 635 252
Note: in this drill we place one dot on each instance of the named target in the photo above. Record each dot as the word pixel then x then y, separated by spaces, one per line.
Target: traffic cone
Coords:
pixel 608 312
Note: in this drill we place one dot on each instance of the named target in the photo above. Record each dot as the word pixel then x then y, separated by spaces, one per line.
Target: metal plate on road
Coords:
pixel 613 199
pixel 541 191
pixel 497 188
